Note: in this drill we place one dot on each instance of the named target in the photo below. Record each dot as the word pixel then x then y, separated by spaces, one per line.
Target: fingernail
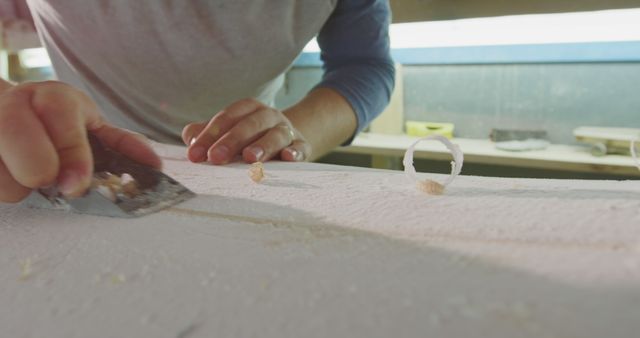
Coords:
pixel 219 154
pixel 69 183
pixel 193 140
pixel 257 152
pixel 295 154
pixel 198 153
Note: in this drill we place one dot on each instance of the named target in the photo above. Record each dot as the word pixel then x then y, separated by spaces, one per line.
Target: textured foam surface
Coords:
pixel 326 251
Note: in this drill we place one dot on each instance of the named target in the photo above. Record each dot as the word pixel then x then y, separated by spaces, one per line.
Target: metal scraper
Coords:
pixel 154 190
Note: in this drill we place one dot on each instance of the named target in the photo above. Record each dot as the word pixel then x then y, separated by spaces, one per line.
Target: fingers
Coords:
pixel 298 151
pixel 67 114
pixel 43 136
pixel 219 125
pixel 242 134
pixel 269 145
pixel 249 128
pixel 11 191
pixel 191 131
pixel 64 114
pixel 129 144
pixel 25 148
pixel 205 137
pixel 43 140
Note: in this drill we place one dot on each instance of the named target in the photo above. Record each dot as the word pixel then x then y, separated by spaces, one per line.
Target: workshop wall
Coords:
pixel 553 97
pixel 556 97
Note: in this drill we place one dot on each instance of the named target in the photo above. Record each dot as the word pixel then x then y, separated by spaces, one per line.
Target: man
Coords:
pixel 154 67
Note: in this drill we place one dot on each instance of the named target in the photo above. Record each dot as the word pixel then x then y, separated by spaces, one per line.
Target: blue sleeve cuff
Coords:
pixel 355 51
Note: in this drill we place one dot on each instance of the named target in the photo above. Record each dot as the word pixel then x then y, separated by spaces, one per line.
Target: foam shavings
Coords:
pixel 26 269
pixel 430 186
pixel 634 154
pixel 111 185
pixel 118 278
pixel 256 172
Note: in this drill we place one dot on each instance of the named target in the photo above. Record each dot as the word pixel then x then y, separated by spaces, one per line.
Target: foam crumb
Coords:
pixel 118 279
pixel 431 187
pixel 130 189
pixel 26 269
pixel 111 185
pixel 256 172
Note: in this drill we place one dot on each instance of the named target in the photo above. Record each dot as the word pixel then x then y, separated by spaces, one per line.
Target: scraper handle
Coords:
pixel 106 159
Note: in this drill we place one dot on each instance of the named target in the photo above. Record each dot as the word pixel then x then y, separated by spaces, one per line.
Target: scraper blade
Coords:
pixel 154 190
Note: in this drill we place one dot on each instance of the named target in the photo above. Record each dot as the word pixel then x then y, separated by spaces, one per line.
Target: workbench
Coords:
pixel 327 251
pixel 559 157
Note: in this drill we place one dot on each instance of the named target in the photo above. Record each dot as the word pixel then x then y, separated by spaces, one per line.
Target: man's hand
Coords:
pixel 248 128
pixel 43 140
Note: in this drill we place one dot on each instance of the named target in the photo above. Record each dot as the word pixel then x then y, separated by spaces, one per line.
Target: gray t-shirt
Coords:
pixel 154 66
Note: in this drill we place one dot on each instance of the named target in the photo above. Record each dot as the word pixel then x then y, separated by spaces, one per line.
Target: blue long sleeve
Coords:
pixel 354 44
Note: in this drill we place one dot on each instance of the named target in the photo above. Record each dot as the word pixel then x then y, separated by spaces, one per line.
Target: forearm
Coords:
pixel 358 75
pixel 325 118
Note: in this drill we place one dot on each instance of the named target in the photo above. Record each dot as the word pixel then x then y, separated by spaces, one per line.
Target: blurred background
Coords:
pixel 543 88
